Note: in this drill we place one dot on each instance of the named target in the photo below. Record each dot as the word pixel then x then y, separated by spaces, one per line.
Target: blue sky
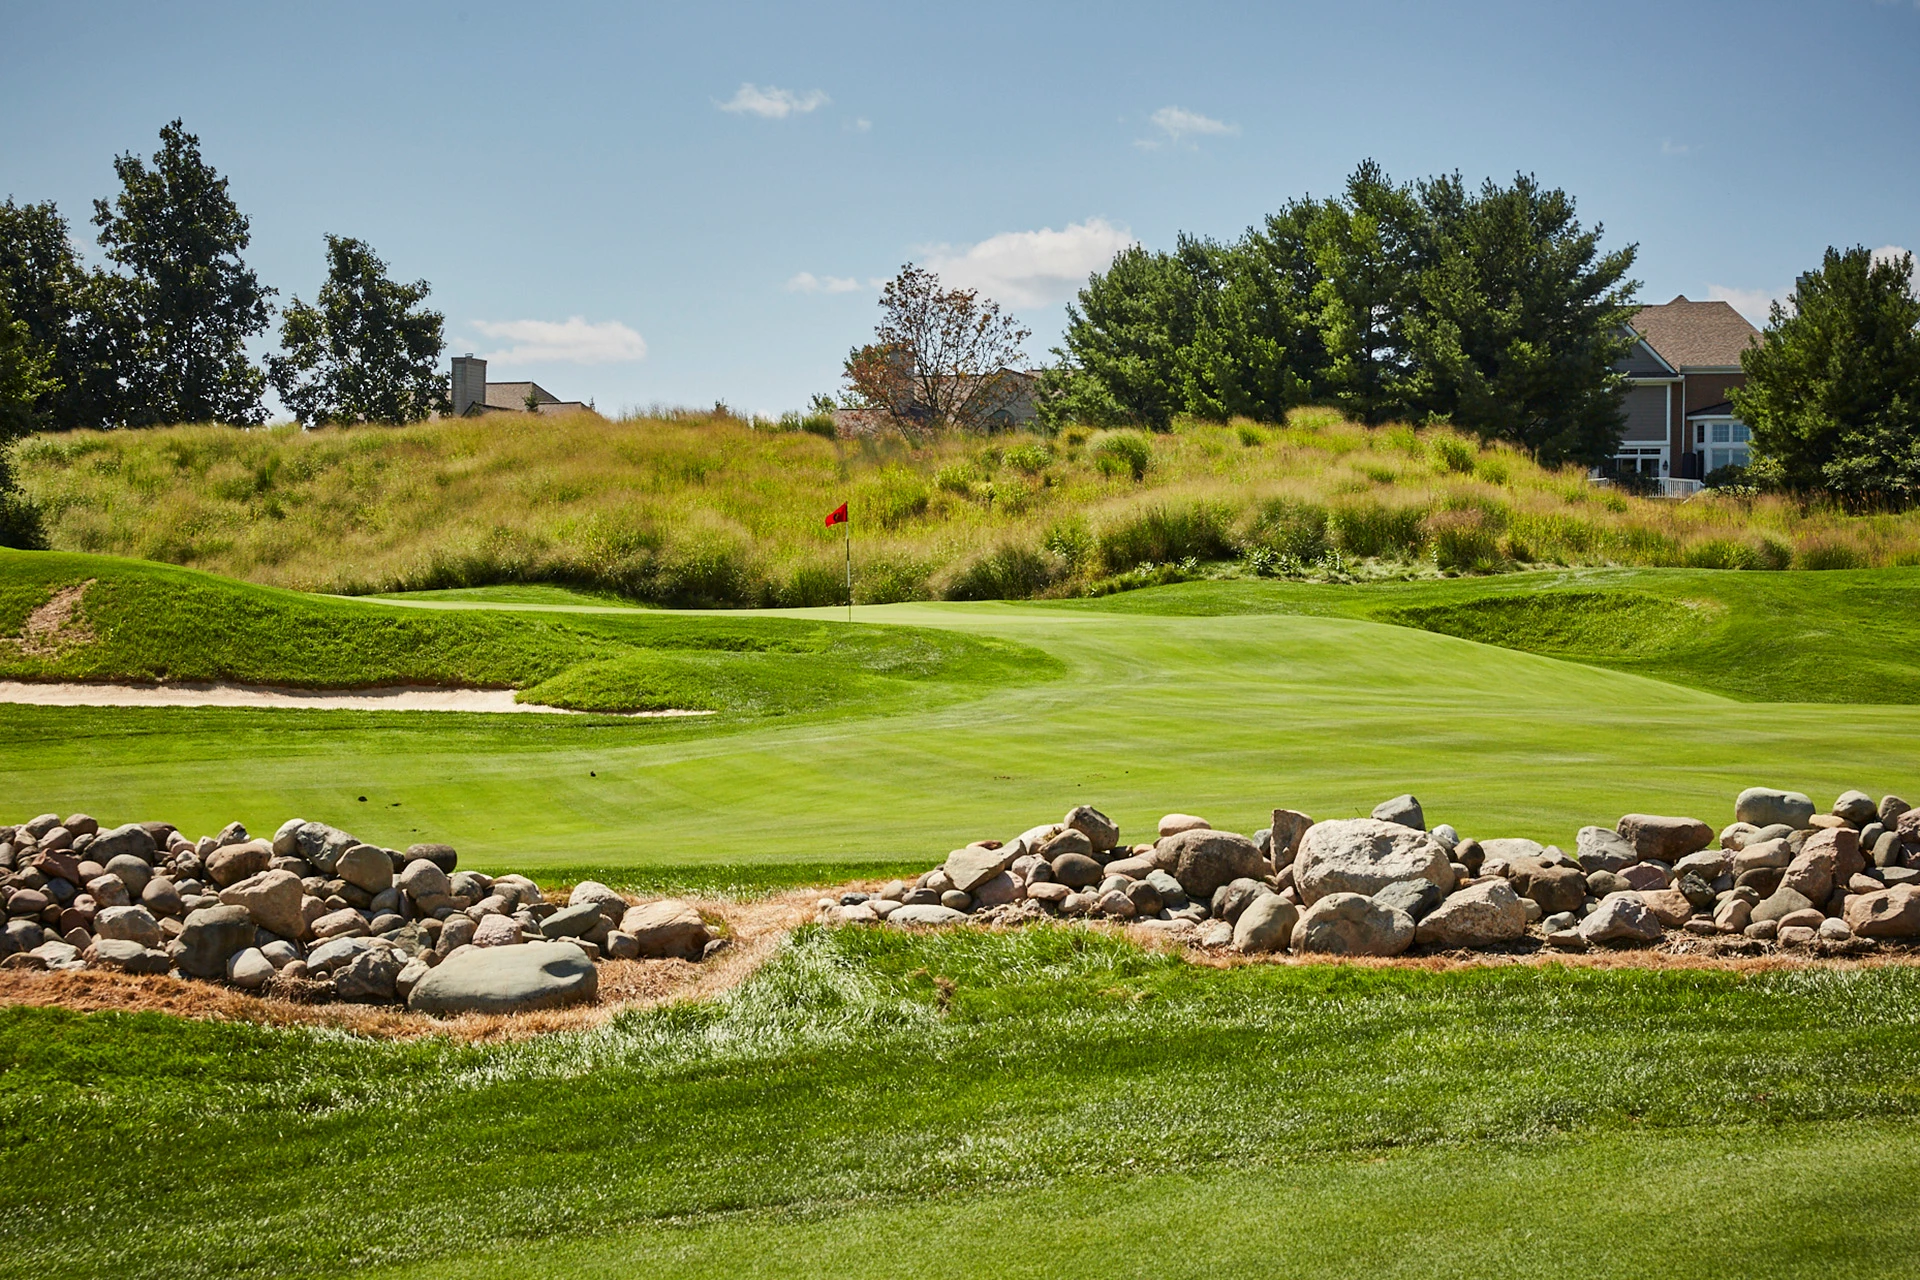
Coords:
pixel 690 202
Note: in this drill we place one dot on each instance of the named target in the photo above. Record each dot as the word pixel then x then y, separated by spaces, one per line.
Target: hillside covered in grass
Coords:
pixel 715 511
pixel 78 617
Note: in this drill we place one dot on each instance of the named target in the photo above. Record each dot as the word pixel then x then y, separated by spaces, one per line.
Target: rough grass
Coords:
pixel 876 1068
pixel 712 511
pixel 147 622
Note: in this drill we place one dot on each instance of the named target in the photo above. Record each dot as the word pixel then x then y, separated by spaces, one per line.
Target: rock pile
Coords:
pixel 317 914
pixel 1781 874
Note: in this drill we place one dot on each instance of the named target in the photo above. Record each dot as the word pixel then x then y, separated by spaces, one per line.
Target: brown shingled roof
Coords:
pixel 1696 334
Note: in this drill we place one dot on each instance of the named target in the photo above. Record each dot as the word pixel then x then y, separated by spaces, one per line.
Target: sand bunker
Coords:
pixel 225 694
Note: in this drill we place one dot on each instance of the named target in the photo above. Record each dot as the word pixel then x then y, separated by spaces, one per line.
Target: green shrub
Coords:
pixel 1494 470
pixel 1371 530
pixel 1829 555
pixel 955 477
pixel 890 499
pixel 1288 528
pixel 1464 540
pixel 1250 436
pixel 813 585
pixel 1774 553
pixel 891 580
pixel 1071 540
pixel 1453 454
pixel 1011 573
pixel 1159 534
pixel 1029 459
pixel 1123 453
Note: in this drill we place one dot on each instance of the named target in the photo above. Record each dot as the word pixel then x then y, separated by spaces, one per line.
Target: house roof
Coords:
pixel 513 395
pixel 1722 410
pixel 1696 335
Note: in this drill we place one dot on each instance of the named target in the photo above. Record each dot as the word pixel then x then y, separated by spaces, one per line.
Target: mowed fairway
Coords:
pixel 1223 714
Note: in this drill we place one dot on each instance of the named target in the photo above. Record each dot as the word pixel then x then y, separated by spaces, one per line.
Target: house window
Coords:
pixel 1725 443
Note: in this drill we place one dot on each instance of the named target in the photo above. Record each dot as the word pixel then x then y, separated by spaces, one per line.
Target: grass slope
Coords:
pixel 1206 698
pixel 705 510
pixel 140 621
pixel 884 1071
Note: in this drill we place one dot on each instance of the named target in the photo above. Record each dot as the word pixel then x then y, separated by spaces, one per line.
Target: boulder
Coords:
pixel 574 921
pixel 1890 913
pixel 1077 870
pixel 667 929
pixel 1144 897
pixel 1764 806
pixel 1891 807
pixel 1603 849
pixel 1762 853
pixel 1415 897
pixel 365 867
pixel 130 839
pixel 1844 846
pixel 1784 901
pixel 1351 924
pixel 370 976
pixel 1555 886
pixel 126 956
pixel 230 864
pixel 539 975
pixel 134 872
pixel 331 955
pixel 1669 906
pixel 1365 855
pixel 1621 917
pixel 1230 899
pixel 250 969
pixel 611 904
pixel 1266 924
pixel 1708 864
pixel 440 855
pixel 210 938
pixel 1175 823
pixel 976 864
pixel 410 974
pixel 998 891
pixel 1289 825
pixel 1733 914
pixel 1478 915
pixel 107 891
pixel 1856 807
pixel 1204 859
pixel 928 914
pixel 1050 891
pixel 1667 839
pixel 1510 849
pixel 272 898
pixel 1114 903
pixel 1644 877
pixel 1137 867
pixel 128 924
pixel 421 879
pixel 1102 832
pixel 1404 810
pixel 497 931
pixel 344 923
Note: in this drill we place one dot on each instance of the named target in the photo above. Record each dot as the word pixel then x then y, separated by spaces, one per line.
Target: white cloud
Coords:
pixel 1754 304
pixel 574 340
pixel 1031 268
pixel 807 282
pixel 770 103
pixel 1178 126
pixel 860 124
pixel 1668 147
pixel 1888 252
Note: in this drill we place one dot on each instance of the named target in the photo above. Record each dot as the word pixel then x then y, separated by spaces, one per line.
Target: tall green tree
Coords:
pixel 1365 247
pixel 70 315
pixel 368 350
pixel 1125 333
pixel 1833 391
pixel 192 300
pixel 1517 318
pixel 25 377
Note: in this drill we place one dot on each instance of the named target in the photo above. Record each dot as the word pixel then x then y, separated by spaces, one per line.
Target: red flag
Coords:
pixel 837 516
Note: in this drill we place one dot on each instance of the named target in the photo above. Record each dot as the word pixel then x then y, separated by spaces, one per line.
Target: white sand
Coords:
pixel 224 694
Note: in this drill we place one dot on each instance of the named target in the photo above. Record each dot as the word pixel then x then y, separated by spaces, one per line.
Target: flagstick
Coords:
pixel 849 524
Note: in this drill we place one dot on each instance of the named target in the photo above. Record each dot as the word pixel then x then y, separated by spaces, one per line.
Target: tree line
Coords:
pixel 160 334
pixel 1493 308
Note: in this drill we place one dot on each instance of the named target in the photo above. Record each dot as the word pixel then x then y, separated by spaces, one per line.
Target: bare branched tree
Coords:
pixel 936 354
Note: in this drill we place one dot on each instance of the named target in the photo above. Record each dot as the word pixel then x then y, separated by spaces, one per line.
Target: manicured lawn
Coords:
pixel 892 1074
pixel 1222 699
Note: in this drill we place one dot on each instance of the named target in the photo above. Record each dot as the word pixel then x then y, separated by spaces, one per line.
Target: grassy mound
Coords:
pixel 712 511
pixel 892 1072
pixel 1611 623
pixel 129 620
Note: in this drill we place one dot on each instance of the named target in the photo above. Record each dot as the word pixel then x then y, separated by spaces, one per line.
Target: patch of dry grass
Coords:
pixel 714 509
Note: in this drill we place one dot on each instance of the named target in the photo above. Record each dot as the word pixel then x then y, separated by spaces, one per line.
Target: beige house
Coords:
pixel 1684 361
pixel 474 395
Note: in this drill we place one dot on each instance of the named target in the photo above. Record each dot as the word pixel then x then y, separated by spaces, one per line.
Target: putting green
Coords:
pixel 1226 715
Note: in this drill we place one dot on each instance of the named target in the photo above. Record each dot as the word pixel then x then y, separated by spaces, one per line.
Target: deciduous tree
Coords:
pixel 367 350
pixel 1833 390
pixel 934 354
pixel 191 300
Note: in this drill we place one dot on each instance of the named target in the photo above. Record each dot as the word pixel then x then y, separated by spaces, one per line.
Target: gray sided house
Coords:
pixel 1685 360
pixel 473 395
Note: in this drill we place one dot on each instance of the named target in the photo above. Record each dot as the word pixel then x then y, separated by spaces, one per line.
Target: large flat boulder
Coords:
pixel 210 938
pixel 1764 806
pixel 1665 839
pixel 1350 924
pixel 1890 913
pixel 1621 917
pixel 537 975
pixel 667 929
pixel 272 898
pixel 1364 856
pixel 976 864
